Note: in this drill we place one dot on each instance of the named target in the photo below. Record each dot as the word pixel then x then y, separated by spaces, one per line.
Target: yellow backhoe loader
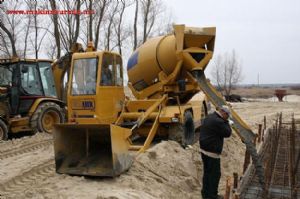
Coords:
pixel 164 74
pixel 28 97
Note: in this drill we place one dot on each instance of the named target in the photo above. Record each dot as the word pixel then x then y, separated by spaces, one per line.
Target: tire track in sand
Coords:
pixel 25 149
pixel 19 184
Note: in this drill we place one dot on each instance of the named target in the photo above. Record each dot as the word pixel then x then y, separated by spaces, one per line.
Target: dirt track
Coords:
pixel 164 171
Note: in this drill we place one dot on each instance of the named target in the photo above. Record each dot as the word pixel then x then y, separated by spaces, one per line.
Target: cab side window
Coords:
pixel 107 70
pixel 119 71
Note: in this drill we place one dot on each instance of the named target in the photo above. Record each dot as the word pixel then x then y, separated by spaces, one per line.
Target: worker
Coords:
pixel 215 127
pixel 106 76
pixel 90 88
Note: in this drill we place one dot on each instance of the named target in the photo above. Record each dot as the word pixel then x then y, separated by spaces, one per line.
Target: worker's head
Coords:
pixel 225 111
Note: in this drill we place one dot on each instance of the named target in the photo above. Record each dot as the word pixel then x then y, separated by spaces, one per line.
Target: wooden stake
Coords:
pixel 259 133
pixel 228 188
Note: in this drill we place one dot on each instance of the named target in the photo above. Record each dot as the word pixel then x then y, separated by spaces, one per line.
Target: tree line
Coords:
pixel 115 25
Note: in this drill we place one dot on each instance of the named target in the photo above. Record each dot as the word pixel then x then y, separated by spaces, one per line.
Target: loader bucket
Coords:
pixel 91 150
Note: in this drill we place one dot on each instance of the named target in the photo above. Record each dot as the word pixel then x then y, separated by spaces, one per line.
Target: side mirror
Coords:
pixel 24 69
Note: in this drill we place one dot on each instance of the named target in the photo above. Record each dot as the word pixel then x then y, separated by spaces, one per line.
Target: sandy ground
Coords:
pixel 165 171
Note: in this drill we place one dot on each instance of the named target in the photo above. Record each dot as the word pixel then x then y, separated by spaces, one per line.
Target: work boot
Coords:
pixel 219 197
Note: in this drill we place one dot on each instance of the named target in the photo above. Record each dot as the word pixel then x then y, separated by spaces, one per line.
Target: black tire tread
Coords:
pixel 4 128
pixel 189 128
pixel 34 122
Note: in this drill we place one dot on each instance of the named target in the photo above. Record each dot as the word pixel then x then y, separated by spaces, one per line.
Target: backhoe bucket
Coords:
pixel 91 150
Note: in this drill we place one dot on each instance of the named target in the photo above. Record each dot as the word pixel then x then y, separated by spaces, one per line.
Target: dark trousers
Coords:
pixel 211 176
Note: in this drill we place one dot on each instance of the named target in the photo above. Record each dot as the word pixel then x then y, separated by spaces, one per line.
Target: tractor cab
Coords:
pixel 24 82
pixel 28 101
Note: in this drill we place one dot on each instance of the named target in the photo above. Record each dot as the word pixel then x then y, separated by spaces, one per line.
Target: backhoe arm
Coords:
pixel 62 66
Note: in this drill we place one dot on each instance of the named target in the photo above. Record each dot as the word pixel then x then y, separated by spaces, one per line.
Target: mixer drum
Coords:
pixel 156 55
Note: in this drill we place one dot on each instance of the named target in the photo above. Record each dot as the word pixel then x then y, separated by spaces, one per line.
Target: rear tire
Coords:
pixel 184 133
pixel 3 131
pixel 189 128
pixel 46 115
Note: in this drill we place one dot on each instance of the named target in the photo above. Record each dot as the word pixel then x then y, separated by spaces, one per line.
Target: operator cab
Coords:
pixel 26 81
pixel 95 99
pixel 96 88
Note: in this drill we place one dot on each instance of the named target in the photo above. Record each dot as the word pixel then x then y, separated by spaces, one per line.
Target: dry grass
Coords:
pixel 263 92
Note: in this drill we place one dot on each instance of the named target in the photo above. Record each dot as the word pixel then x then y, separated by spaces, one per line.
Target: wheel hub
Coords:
pixel 49 119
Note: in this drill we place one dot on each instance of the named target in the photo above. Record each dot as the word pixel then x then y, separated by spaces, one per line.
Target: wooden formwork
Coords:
pixel 279 150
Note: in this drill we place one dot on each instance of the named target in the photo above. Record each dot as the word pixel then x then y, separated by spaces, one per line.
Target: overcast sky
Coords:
pixel 264 33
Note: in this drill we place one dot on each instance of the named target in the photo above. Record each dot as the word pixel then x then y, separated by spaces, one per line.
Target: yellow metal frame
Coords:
pixel 156 106
pixel 152 112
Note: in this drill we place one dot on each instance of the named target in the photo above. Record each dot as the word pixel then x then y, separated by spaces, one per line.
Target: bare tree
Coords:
pixel 109 27
pixel 122 32
pixel 90 37
pixel 135 39
pixel 119 29
pixel 4 46
pixel 146 12
pixel 146 18
pixel 92 24
pixel 11 38
pixel 56 29
pixel 68 24
pixel 95 21
pixel 99 19
pixel 227 72
pixel 150 11
pixel 27 27
pixel 9 24
pixel 111 21
pixel 36 29
pixel 37 21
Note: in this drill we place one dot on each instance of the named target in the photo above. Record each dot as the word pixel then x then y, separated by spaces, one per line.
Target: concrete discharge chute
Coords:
pixel 164 74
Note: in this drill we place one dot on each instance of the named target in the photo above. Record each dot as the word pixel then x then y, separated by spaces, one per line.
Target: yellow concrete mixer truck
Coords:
pixel 164 74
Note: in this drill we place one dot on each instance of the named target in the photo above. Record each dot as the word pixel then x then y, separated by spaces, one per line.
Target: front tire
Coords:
pixel 46 115
pixel 3 131
pixel 188 128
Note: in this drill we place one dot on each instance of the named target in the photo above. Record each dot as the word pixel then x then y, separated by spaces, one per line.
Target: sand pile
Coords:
pixel 164 171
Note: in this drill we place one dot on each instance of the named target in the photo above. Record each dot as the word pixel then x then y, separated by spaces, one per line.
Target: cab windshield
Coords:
pixel 47 79
pixel 84 76
pixel 30 79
